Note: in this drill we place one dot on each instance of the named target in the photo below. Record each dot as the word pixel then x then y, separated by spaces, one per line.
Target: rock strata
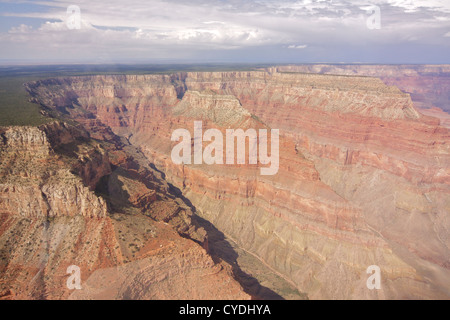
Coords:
pixel 363 178
pixel 67 199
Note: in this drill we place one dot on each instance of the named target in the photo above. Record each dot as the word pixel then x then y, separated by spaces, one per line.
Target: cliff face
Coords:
pixel 406 159
pixel 363 177
pixel 68 199
pixel 429 85
pixel 35 182
pixel 368 144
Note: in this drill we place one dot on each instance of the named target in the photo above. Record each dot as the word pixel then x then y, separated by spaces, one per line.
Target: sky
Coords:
pixel 234 31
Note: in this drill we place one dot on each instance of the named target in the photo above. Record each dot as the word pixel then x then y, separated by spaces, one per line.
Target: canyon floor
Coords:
pixel 87 180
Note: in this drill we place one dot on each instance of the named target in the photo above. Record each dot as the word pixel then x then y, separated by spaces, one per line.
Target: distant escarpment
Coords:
pixel 68 199
pixel 363 178
pixel 428 85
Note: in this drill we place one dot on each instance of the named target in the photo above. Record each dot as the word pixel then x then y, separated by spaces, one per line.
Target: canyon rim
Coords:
pixel 93 205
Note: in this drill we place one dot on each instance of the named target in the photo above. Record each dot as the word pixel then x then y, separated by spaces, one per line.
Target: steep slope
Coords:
pixel 52 216
pixel 356 161
pixel 428 85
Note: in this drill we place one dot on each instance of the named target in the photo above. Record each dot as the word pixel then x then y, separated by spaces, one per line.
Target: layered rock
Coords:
pixel 67 199
pixel 166 267
pixel 36 182
pixel 387 162
pixel 429 85
pixel 356 161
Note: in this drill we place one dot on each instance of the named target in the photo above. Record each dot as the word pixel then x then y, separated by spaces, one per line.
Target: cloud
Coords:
pixel 24 29
pixel 293 46
pixel 178 28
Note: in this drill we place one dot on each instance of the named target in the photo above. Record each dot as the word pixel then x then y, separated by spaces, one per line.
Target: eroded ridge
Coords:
pixel 363 178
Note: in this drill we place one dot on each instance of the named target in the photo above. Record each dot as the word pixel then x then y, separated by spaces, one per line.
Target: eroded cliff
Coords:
pixel 363 177
pixel 68 199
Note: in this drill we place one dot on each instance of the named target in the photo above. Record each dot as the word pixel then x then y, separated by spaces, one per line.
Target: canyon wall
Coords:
pixel 428 85
pixel 363 177
pixel 67 199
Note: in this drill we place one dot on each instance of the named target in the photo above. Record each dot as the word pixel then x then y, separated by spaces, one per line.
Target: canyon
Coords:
pixel 54 180
pixel 428 85
pixel 363 179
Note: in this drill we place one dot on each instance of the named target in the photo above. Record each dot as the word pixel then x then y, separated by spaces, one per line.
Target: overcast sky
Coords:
pixel 259 31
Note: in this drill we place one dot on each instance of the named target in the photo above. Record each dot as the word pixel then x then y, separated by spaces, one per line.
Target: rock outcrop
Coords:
pixel 36 182
pixel 69 199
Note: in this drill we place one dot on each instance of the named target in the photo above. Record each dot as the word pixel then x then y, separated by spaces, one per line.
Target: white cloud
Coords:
pixel 20 29
pixel 293 46
pixel 157 27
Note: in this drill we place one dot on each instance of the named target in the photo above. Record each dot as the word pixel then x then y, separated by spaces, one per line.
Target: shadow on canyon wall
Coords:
pixel 220 249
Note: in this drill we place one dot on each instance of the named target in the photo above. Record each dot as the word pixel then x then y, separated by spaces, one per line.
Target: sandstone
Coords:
pixel 363 179
pixel 68 199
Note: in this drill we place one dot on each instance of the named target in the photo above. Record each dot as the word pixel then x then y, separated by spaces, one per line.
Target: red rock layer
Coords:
pixel 316 221
pixel 428 85
pixel 52 217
